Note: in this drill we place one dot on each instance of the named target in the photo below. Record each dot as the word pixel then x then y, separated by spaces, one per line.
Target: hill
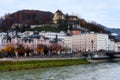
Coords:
pixel 29 17
pixel 36 17
pixel 25 18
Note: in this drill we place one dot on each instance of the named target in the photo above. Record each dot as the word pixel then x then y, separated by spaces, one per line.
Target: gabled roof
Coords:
pixel 36 35
pixel 55 40
pixel 7 37
pixel 16 36
pixel 27 39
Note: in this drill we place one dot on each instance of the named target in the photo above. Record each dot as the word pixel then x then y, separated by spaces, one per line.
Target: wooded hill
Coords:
pixel 35 17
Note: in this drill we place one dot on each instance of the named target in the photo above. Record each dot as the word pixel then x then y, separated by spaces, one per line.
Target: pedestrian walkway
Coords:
pixel 27 59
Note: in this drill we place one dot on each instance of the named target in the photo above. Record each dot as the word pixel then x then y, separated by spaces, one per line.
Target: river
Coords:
pixel 101 71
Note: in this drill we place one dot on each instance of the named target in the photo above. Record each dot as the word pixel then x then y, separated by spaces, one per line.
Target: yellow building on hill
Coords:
pixel 58 16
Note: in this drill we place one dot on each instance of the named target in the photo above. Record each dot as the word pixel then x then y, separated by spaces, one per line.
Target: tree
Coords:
pixel 21 50
pixel 27 51
pixel 83 22
pixel 40 49
pixel 55 47
pixel 62 25
pixel 9 49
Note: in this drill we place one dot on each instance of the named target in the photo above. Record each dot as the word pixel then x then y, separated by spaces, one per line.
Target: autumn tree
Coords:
pixel 9 49
pixel 27 51
pixel 21 50
pixel 40 49
pixel 55 47
pixel 83 22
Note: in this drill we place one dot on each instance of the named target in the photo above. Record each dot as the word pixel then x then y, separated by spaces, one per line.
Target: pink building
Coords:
pixel 30 42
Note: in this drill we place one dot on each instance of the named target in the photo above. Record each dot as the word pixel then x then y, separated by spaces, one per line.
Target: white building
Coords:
pixel 52 35
pixel 112 45
pixel 94 41
pixel 26 33
pixel 89 42
pixel 118 46
pixel 68 42
pixel 34 26
pixel 1 37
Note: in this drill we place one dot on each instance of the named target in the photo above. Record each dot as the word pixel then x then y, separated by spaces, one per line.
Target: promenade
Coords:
pixel 43 57
pixel 27 59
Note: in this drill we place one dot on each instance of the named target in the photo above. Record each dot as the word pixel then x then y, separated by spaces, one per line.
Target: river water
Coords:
pixel 101 71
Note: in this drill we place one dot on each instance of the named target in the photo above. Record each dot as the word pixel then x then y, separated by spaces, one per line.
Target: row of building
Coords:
pixel 83 41
pixel 91 42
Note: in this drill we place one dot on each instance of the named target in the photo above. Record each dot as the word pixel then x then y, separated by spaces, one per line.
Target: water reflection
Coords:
pixel 103 71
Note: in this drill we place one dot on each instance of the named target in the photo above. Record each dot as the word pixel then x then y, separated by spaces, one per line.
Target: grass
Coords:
pixel 21 65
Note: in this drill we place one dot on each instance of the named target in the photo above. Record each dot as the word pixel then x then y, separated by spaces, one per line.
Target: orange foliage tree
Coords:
pixel 40 49
pixel 20 49
pixel 9 49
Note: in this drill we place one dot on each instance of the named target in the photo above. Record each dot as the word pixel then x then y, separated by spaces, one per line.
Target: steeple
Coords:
pixel 8 38
pixel 16 35
pixel 68 31
pixel 56 39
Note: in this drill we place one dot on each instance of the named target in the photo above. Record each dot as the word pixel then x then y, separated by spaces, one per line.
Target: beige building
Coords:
pixel 68 42
pixel 94 41
pixel 58 16
pixel 87 41
pixel 73 18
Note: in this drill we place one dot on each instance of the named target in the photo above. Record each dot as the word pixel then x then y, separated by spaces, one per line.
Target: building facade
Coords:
pixel 58 16
pixel 52 35
pixel 118 46
pixel 29 42
pixel 89 42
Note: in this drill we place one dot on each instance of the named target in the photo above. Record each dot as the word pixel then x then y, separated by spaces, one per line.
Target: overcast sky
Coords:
pixel 105 12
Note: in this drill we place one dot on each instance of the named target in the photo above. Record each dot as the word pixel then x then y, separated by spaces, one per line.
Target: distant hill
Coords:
pixel 114 33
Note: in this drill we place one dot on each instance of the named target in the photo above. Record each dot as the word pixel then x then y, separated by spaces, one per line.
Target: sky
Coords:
pixel 105 12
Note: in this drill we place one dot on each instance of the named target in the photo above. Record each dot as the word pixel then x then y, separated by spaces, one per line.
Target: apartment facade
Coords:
pixel 88 42
pixel 68 42
pixel 94 41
